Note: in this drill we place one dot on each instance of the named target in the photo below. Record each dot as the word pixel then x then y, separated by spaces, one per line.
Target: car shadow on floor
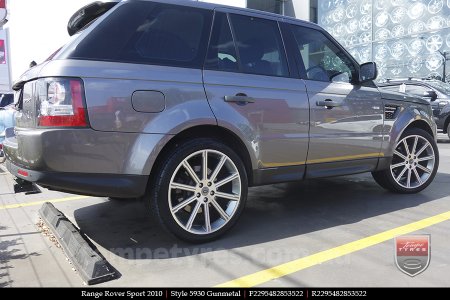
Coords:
pixel 273 212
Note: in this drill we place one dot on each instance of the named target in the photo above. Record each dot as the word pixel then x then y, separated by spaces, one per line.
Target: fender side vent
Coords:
pixel 390 112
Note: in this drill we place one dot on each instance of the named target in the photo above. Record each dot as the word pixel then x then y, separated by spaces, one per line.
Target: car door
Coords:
pixel 346 117
pixel 251 92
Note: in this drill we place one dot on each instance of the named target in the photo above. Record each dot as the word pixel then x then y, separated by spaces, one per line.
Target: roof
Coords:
pixel 212 6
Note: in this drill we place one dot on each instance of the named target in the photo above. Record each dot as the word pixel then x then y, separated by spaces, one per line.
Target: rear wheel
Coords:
pixel 414 163
pixel 200 192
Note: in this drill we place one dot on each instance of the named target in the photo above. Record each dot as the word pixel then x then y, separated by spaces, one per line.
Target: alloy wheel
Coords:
pixel 413 161
pixel 204 192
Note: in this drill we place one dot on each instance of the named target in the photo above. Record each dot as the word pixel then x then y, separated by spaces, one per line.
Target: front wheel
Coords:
pixel 414 163
pixel 200 192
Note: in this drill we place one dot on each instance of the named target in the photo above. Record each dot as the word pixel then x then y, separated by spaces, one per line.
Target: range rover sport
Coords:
pixel 186 104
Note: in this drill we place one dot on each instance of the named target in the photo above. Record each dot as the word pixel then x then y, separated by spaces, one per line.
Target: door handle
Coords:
pixel 240 99
pixel 328 103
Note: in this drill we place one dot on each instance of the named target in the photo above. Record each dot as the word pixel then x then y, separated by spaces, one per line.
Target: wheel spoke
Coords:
pixel 426 158
pixel 219 209
pixel 398 165
pixel 423 148
pixel 228 196
pixel 426 170
pixel 222 161
pixel 416 139
pixel 207 217
pixel 418 177
pixel 191 172
pixel 193 215
pixel 399 154
pixel 183 204
pixel 405 144
pixel 408 180
pixel 226 180
pixel 205 165
pixel 183 187
pixel 401 174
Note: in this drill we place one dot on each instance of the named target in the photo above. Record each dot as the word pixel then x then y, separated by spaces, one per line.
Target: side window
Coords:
pixel 149 33
pixel 222 52
pixel 259 45
pixel 322 59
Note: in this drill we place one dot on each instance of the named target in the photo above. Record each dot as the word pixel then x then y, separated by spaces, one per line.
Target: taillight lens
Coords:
pixel 62 103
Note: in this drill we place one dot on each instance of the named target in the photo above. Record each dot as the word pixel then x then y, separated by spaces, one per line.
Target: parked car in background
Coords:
pixel 7 113
pixel 187 103
pixel 437 92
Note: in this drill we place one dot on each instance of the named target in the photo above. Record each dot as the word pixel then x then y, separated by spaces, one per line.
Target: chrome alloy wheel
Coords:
pixel 204 192
pixel 413 161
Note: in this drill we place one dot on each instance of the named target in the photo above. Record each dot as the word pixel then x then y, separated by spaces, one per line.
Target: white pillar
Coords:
pixel 301 9
pixel 237 3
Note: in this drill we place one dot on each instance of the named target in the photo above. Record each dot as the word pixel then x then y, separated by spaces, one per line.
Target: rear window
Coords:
pixel 149 33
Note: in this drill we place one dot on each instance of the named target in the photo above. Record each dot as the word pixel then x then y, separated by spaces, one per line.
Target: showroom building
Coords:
pixel 407 38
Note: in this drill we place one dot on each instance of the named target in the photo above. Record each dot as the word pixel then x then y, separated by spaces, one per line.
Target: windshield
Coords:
pixel 442 87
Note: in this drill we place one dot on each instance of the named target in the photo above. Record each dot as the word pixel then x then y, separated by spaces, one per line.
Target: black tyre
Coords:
pixel 448 130
pixel 414 163
pixel 199 193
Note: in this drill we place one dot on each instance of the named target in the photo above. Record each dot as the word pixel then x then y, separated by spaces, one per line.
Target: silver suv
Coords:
pixel 186 104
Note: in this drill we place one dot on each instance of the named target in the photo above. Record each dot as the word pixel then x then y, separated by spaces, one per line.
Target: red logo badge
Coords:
pixel 412 253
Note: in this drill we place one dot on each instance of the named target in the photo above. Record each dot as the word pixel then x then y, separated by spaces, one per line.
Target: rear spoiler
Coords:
pixel 85 15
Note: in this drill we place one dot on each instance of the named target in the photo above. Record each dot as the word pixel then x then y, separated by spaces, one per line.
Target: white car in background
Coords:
pixel 7 114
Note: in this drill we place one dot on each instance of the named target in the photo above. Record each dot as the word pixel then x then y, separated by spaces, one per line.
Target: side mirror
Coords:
pixel 430 95
pixel 367 72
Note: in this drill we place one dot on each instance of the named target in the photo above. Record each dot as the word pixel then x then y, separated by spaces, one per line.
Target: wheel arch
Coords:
pixel 226 136
pixel 410 117
pixel 420 124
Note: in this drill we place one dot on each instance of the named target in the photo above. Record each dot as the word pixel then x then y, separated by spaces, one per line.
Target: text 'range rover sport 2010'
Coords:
pixel 186 104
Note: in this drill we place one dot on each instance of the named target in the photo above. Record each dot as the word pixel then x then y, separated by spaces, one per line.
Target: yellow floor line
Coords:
pixel 320 257
pixel 17 205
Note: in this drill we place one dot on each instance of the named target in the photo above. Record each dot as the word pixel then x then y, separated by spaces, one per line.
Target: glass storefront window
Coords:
pixel 407 38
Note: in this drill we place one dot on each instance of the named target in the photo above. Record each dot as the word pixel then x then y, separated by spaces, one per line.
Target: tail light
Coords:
pixel 61 103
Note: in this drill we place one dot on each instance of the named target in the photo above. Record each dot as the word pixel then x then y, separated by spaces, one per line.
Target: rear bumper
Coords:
pixel 93 184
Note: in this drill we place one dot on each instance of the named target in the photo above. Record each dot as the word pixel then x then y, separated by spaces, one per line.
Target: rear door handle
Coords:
pixel 240 99
pixel 328 103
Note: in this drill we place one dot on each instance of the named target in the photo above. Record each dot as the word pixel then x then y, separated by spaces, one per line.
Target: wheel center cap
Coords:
pixel 411 161
pixel 205 191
